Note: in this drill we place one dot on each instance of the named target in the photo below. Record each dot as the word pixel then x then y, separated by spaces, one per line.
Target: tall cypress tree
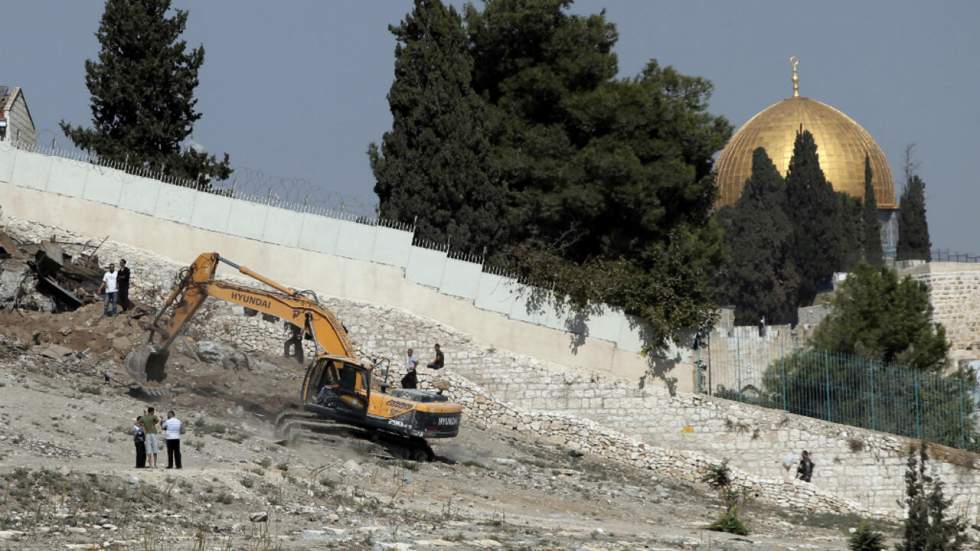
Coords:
pixel 434 163
pixel 871 240
pixel 913 229
pixel 848 227
pixel 761 278
pixel 813 204
pixel 142 89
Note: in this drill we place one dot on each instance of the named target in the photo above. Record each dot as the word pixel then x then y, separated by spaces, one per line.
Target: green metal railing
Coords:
pixel 863 393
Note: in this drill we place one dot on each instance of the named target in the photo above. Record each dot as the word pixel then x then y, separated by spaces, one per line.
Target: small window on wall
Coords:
pixel 3 131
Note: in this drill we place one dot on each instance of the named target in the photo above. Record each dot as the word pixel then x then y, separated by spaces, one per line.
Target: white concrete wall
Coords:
pixel 334 256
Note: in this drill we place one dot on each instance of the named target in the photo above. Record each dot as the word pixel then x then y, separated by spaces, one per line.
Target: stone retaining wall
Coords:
pixel 954 291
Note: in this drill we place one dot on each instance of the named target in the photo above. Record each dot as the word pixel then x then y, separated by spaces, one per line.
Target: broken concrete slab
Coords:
pixel 50 257
pixel 62 293
pixel 37 301
pixel 44 277
pixel 8 247
pixel 55 351
pixel 13 274
pixel 216 352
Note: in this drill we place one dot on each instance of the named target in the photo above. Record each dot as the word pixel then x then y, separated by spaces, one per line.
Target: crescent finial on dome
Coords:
pixel 794 61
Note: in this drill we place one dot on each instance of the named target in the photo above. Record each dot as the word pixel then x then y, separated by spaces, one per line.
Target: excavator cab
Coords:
pixel 339 384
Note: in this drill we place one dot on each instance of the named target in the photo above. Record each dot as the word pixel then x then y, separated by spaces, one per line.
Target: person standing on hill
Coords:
pixel 139 439
pixel 411 379
pixel 805 471
pixel 295 342
pixel 110 287
pixel 150 423
pixel 122 282
pixel 172 428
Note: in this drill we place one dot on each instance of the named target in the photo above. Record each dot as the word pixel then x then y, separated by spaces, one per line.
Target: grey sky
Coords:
pixel 297 88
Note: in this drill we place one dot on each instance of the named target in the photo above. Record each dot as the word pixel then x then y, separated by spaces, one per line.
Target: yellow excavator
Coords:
pixel 337 387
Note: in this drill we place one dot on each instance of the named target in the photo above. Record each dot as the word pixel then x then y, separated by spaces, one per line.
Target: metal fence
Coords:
pixel 946 255
pixel 855 391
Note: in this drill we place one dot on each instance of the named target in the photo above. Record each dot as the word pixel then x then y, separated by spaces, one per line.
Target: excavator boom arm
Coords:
pixel 198 282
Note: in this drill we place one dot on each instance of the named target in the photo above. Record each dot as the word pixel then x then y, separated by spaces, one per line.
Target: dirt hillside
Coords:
pixel 67 476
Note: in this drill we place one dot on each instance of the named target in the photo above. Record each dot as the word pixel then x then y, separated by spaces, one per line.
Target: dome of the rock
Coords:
pixel 841 145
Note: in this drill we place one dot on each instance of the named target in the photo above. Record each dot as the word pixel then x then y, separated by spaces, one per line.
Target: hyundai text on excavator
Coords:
pixel 337 386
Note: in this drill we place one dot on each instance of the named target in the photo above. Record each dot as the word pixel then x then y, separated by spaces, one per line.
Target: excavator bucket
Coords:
pixel 147 363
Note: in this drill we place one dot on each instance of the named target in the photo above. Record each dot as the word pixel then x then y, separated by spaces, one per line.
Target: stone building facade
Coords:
pixel 954 292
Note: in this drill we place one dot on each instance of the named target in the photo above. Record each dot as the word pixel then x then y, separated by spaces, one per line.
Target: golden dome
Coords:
pixel 841 145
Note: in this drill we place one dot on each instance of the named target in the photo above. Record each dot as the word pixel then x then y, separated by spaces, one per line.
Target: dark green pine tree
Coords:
pixel 761 278
pixel 913 229
pixel 142 88
pixel 883 318
pixel 610 184
pixel 871 238
pixel 812 203
pixel 434 163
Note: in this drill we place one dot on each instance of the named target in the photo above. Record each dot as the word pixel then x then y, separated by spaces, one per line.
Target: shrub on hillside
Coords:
pixel 730 522
pixel 866 539
pixel 719 478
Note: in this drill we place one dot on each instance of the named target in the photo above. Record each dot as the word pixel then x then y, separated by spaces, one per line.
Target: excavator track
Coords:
pixel 294 427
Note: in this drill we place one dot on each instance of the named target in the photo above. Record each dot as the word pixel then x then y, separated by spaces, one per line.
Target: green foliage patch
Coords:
pixel 142 93
pixel 512 135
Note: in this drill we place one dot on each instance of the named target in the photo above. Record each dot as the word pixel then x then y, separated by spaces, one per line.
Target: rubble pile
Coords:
pixel 44 277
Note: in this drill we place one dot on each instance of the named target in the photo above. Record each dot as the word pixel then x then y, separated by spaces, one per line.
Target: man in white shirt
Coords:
pixel 111 289
pixel 172 428
pixel 410 380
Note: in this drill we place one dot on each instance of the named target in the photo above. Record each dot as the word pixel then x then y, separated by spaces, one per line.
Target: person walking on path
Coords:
pixel 172 428
pixel 805 471
pixel 122 283
pixel 139 439
pixel 110 287
pixel 439 361
pixel 150 423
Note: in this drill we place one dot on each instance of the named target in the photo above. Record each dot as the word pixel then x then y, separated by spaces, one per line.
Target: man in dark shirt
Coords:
pixel 805 471
pixel 439 361
pixel 294 342
pixel 122 281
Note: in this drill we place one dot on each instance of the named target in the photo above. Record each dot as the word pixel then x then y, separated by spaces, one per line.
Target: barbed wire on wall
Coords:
pixel 248 184
pixel 255 186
